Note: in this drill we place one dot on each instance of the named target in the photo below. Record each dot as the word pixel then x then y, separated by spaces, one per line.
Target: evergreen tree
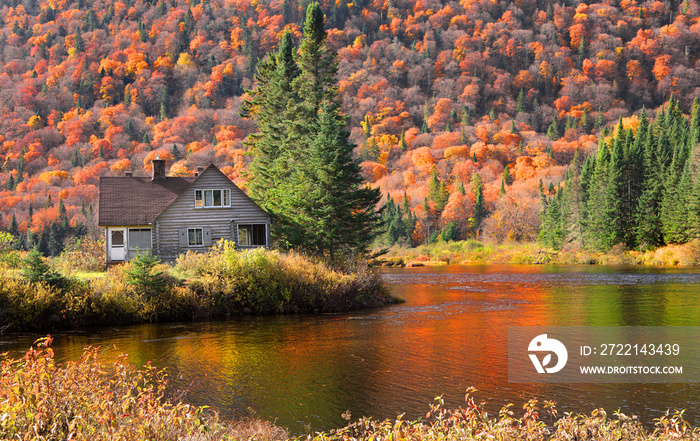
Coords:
pixel 553 130
pixel 573 205
pixel 437 192
pixel 304 172
pixel 648 226
pixel 612 211
pixel 337 212
pixel 36 270
pixel 551 229
pixel 597 220
pixel 521 105
pixel 269 104
pixel 479 212
pixel 507 178
pixel 14 228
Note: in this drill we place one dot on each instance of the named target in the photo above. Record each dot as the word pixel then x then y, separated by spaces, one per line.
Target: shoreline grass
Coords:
pixel 222 283
pixel 471 252
pixel 88 400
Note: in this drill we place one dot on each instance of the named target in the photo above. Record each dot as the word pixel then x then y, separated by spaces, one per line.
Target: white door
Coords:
pixel 116 244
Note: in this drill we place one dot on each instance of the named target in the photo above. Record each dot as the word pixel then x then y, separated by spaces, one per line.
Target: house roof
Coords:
pixel 137 200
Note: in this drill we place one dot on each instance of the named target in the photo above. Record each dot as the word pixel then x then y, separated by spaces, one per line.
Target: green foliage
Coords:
pixel 304 172
pixel 36 270
pixel 479 212
pixel 437 192
pixel 142 273
pixel 640 190
pixel 266 282
pixel 221 283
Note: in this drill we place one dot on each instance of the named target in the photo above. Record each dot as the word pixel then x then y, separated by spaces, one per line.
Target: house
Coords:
pixel 171 215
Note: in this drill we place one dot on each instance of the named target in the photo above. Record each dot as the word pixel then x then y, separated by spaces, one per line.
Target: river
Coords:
pixel 303 372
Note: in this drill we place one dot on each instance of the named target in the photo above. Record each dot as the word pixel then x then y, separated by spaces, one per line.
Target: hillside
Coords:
pixel 437 93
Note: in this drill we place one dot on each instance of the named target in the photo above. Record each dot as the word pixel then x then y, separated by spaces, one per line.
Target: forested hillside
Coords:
pixel 461 111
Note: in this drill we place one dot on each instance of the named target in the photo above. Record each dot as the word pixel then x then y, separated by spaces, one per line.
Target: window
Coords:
pixel 117 238
pixel 212 198
pixel 195 237
pixel 252 235
pixel 140 238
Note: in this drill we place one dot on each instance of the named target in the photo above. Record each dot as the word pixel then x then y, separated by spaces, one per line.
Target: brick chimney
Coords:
pixel 158 169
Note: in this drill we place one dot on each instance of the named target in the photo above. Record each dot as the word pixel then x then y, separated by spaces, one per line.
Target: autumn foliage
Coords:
pixel 90 89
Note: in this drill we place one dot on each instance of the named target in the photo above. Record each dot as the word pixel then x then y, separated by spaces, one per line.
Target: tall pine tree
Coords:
pixel 304 173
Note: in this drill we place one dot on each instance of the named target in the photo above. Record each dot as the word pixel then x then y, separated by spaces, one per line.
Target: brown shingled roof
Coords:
pixel 137 200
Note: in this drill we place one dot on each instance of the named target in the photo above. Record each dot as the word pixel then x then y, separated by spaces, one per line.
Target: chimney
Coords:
pixel 200 170
pixel 158 169
pixel 129 173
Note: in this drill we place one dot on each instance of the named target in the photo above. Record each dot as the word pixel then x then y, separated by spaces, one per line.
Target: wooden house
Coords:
pixel 171 215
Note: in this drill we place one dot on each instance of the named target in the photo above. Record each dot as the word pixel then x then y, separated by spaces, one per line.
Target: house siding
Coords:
pixel 182 214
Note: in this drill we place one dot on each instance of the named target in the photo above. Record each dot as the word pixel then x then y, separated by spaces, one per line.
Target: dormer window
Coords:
pixel 212 198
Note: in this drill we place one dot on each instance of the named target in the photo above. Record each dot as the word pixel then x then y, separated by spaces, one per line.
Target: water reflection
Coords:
pixel 305 371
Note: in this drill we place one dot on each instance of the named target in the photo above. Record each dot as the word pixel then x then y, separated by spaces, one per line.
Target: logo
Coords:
pixel 543 344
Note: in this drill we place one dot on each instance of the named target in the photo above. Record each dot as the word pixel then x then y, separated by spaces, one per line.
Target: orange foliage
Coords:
pixel 179 169
pixel 445 140
pixel 422 158
pixel 458 151
pixel 524 168
pixel 373 170
pixel 156 154
pixel 119 167
pixel 89 174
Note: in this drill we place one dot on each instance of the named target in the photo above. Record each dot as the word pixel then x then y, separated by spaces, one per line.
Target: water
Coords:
pixel 304 371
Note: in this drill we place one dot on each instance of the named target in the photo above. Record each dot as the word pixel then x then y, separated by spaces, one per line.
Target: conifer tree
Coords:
pixel 479 211
pixel 269 104
pixel 597 220
pixel 304 173
pixel 573 205
pixel 648 226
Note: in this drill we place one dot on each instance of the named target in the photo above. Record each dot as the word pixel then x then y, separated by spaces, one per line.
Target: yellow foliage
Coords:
pixel 185 60
pixel 34 122
pixel 52 176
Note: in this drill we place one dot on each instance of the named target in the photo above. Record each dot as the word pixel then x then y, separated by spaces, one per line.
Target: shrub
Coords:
pixel 141 273
pixel 264 281
pixel 86 400
pixel 82 254
pixel 539 422
pixel 37 270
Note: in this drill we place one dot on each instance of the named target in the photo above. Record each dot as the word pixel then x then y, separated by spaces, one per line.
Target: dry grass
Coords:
pixel 472 252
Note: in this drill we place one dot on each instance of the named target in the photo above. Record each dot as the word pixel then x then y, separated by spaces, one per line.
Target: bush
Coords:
pixel 141 273
pixel 37 270
pixel 224 282
pixel 539 422
pixel 82 254
pixel 86 400
pixel 264 281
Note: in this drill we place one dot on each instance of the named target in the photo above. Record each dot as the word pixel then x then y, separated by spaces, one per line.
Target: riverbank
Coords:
pixel 89 400
pixel 474 252
pixel 225 282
